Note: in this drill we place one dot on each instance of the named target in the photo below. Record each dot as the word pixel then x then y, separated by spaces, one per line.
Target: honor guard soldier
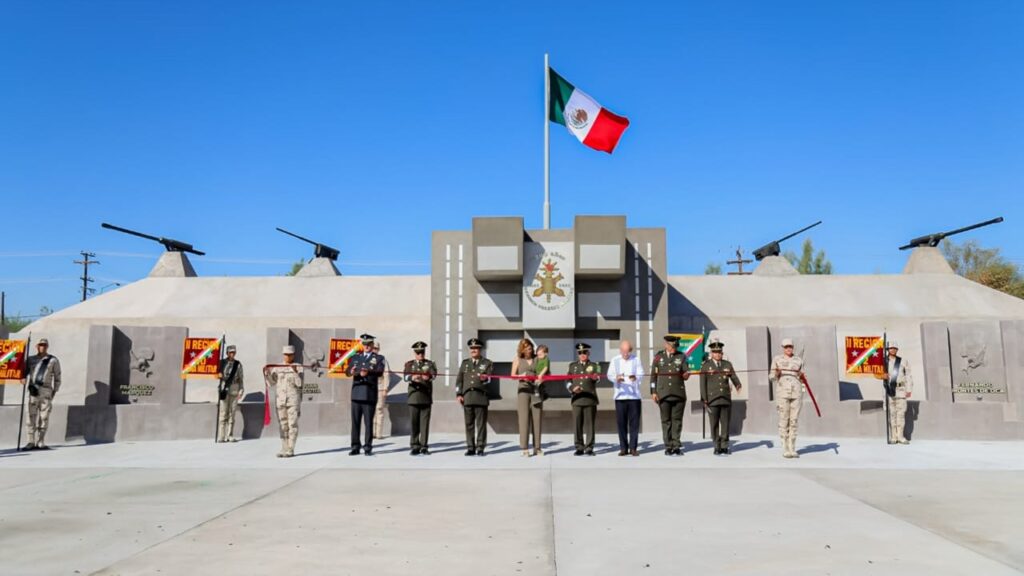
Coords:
pixel 229 394
pixel 43 382
pixel 471 390
pixel 668 374
pixel 287 381
pixel 898 387
pixel 366 369
pixel 419 373
pixel 583 388
pixel 787 373
pixel 716 374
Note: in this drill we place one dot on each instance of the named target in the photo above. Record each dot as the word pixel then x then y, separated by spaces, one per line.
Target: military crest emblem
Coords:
pixel 550 289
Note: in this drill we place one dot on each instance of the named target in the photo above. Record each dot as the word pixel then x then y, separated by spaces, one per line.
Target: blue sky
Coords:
pixel 369 124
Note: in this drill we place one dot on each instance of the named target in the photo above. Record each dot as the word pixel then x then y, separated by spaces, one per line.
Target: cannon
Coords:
pixel 933 240
pixel 773 248
pixel 319 250
pixel 169 243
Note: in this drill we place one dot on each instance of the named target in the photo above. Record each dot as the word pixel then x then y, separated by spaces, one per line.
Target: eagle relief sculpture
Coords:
pixel 549 282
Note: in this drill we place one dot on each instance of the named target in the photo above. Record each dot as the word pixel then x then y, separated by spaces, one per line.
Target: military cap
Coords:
pixel 582 347
pixel 231 349
pixel 419 346
pixel 288 350
pixel 787 342
pixel 475 343
pixel 892 344
pixel 671 338
pixel 716 344
pixel 43 342
pixel 366 338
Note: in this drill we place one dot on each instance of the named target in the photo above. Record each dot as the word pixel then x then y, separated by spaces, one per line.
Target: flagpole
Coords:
pixel 547 145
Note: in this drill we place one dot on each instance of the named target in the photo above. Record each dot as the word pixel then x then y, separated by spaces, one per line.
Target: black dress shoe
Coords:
pixel 424 452
pixel 471 452
pixel 414 452
pixel 354 452
pixel 726 451
pixel 368 451
pixel 668 451
pixel 479 451
pixel 717 451
pixel 589 452
pixel 578 453
pixel 678 451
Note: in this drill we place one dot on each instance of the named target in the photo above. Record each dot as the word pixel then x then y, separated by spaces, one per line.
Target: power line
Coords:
pixel 86 280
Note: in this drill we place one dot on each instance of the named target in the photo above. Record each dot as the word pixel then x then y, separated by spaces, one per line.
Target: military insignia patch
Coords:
pixel 590 369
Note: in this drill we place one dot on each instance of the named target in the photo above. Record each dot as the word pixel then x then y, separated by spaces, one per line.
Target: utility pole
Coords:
pixel 86 280
pixel 3 308
pixel 739 262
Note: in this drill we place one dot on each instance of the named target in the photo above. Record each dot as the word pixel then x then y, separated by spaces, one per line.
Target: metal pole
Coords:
pixel 547 145
pixel 220 383
pixel 21 417
pixel 885 386
pixel 3 308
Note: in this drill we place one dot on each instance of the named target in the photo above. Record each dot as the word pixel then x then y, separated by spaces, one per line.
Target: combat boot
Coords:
pixel 284 449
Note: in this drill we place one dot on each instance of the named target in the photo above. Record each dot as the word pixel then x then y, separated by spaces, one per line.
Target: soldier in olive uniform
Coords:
pixel 287 381
pixel 715 375
pixel 787 373
pixel 419 373
pixel 230 392
pixel 366 369
pixel 668 374
pixel 43 370
pixel 584 398
pixel 471 390
pixel 898 387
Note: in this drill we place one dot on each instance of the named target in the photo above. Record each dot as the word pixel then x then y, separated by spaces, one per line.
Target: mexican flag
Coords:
pixel 591 124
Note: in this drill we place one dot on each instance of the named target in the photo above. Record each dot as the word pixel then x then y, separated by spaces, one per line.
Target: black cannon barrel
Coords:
pixel 773 249
pixel 170 244
pixel 933 240
pixel 320 250
pixel 800 231
pixel 127 231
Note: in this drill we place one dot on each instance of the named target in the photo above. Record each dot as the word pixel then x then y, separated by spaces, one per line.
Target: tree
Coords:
pixel 296 267
pixel 18 322
pixel 809 262
pixel 985 266
pixel 713 269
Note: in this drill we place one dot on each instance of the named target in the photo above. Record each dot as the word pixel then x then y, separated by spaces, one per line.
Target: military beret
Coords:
pixel 671 338
pixel 787 342
pixel 582 347
pixel 288 350
pixel 419 346
pixel 43 342
pixel 231 349
pixel 366 338
pixel 475 343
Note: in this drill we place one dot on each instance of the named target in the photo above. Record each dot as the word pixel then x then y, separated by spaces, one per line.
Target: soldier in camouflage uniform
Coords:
pixel 584 398
pixel 419 373
pixel 287 381
pixel 787 373
pixel 898 387
pixel 716 373
pixel 230 392
pixel 668 374
pixel 471 390
pixel 43 382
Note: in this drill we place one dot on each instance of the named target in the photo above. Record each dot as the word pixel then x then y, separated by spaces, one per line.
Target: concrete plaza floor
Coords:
pixel 847 506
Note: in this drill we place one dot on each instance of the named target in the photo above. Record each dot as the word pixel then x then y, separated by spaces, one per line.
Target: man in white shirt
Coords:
pixel 626 372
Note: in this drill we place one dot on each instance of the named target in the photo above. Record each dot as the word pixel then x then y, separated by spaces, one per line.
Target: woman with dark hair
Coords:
pixel 525 364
